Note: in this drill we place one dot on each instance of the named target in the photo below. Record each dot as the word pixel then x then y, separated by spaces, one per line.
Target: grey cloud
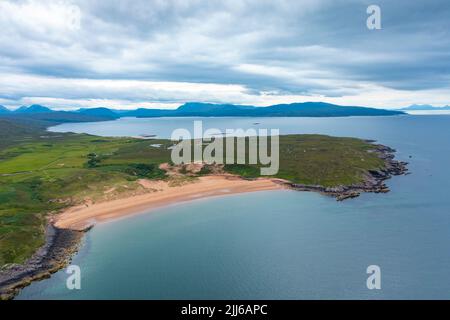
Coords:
pixel 324 47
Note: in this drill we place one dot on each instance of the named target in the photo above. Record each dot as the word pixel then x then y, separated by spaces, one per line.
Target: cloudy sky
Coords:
pixel 124 54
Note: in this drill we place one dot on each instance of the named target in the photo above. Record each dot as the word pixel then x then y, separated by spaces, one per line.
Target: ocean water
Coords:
pixel 279 244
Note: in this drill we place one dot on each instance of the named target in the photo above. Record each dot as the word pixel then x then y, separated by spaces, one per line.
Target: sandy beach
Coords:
pixel 162 193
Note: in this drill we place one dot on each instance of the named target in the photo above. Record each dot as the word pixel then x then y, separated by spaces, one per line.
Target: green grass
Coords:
pixel 324 160
pixel 45 173
pixel 318 160
pixel 42 173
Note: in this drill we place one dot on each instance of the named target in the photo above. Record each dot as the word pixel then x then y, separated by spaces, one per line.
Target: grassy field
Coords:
pixel 319 160
pixel 42 172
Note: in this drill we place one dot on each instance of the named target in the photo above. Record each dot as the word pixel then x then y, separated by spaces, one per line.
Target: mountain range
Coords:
pixel 197 109
pixel 4 110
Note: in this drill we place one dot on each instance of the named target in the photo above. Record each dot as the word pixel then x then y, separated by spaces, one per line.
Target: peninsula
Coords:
pixel 49 201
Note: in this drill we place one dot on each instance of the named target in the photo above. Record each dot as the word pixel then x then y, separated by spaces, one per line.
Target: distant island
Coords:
pixel 424 107
pixel 195 109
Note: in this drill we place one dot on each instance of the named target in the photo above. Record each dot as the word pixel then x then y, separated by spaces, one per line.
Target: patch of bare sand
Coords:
pixel 164 193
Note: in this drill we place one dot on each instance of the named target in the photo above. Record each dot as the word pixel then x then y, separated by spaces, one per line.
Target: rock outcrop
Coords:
pixel 60 245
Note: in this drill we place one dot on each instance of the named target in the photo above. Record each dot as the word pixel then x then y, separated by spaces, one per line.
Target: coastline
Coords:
pixel 66 229
pixel 83 217
pixel 373 180
pixel 57 252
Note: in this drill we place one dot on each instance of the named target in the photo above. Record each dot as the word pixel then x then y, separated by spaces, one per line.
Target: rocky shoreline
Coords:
pixel 60 245
pixel 374 180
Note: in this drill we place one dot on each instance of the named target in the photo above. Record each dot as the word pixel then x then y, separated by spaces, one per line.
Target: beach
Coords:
pixel 161 193
pixel 66 229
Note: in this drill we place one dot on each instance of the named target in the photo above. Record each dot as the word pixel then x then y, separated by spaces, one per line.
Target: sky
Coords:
pixel 68 54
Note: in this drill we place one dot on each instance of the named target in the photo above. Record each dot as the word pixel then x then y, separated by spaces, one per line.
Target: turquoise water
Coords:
pixel 280 244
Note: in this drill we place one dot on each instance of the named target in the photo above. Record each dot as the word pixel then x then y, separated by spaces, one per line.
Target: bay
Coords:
pixel 279 244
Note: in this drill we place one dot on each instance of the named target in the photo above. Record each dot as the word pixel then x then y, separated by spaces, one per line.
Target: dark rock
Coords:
pixel 59 248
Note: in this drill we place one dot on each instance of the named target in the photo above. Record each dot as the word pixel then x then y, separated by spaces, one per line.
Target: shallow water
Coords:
pixel 280 244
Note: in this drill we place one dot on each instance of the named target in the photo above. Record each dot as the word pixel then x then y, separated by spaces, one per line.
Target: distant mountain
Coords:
pixel 320 109
pixel 3 109
pixel 424 107
pixel 100 112
pixel 306 109
pixel 46 119
pixel 198 109
pixel 35 108
pixel 66 116
pixel 148 113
